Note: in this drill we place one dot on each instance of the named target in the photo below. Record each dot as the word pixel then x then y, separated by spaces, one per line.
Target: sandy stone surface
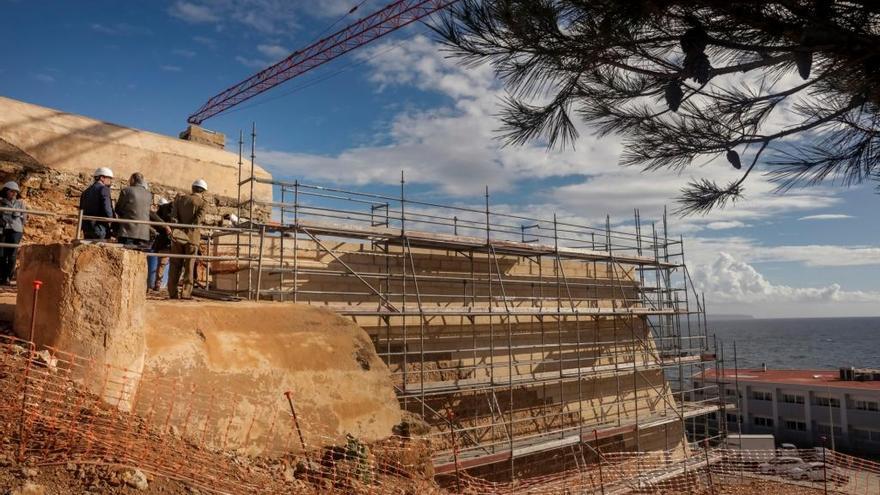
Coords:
pixel 254 352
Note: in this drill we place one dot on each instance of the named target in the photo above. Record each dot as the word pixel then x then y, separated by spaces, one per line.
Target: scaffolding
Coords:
pixel 509 336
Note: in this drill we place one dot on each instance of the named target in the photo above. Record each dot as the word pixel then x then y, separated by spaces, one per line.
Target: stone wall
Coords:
pixel 52 154
pixel 78 144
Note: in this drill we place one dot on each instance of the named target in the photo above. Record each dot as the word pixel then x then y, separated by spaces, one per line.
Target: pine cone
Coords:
pixel 804 61
pixel 733 158
pixel 673 95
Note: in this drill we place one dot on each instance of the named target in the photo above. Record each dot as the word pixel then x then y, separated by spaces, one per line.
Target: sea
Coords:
pixel 800 343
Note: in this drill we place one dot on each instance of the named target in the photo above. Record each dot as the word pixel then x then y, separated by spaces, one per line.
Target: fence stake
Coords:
pixel 22 435
pixel 708 467
pixel 289 395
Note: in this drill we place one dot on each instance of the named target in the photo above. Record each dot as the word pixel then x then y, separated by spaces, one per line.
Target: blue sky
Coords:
pixel 400 104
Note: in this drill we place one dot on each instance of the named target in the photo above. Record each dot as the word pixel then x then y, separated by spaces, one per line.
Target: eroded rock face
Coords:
pixel 245 356
pixel 91 304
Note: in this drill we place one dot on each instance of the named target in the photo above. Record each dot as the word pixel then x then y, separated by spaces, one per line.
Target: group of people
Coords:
pixel 135 203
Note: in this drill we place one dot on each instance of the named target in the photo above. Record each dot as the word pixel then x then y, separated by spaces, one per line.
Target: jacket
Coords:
pixel 134 204
pixel 95 202
pixel 13 220
pixel 163 240
pixel 190 209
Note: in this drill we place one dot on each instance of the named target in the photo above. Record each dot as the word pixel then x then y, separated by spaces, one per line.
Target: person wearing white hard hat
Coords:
pixel 187 209
pixel 13 229
pixel 162 242
pixel 95 202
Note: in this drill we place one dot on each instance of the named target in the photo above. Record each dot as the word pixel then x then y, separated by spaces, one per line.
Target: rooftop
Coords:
pixel 819 378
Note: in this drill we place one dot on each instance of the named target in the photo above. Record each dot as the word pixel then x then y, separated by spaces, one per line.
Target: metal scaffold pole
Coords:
pixel 251 213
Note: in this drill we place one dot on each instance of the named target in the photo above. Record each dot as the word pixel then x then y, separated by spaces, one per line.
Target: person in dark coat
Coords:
pixel 95 202
pixel 13 229
pixel 162 242
pixel 134 204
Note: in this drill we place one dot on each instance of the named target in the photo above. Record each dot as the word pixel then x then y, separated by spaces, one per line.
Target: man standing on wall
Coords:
pixel 134 204
pixel 13 228
pixel 95 202
pixel 186 209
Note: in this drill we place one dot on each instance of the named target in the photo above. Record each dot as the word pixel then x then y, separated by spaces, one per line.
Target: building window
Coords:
pixel 866 405
pixel 764 422
pixel 793 399
pixel 793 425
pixel 730 392
pixel 825 429
pixel 869 435
pixel 759 395
pixel 827 401
pixel 731 418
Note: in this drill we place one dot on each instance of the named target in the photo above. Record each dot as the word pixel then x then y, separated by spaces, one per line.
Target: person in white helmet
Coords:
pixel 13 229
pixel 95 202
pixel 187 209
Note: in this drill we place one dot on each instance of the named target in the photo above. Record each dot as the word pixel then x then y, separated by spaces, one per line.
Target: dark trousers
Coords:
pixel 181 268
pixel 95 231
pixel 7 255
pixel 132 242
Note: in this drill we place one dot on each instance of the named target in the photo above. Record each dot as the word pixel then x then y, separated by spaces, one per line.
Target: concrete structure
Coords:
pixel 73 143
pixel 801 406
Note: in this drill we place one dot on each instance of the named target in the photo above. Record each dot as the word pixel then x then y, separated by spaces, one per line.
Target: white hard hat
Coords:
pixel 103 171
pixel 233 218
pixel 12 186
pixel 163 201
pixel 201 183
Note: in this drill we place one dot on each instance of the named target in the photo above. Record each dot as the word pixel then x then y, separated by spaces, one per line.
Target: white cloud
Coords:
pixel 723 225
pixel 203 40
pixel 702 250
pixel 253 63
pixel 827 216
pixel 193 13
pixel 43 78
pixel 181 52
pixel 171 68
pixel 119 29
pixel 275 52
pixel 728 279
pixel 455 148
pixel 273 17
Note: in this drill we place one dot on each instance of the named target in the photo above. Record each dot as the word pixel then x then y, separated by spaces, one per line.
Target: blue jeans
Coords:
pixel 7 255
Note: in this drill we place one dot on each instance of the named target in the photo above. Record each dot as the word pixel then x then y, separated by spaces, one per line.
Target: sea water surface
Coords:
pixel 800 343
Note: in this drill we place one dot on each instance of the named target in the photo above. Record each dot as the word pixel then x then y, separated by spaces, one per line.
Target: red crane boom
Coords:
pixel 391 18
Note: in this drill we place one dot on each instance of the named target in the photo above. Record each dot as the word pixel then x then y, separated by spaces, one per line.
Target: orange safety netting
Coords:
pixel 60 408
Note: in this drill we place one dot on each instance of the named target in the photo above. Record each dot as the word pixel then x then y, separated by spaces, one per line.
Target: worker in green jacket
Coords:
pixel 186 209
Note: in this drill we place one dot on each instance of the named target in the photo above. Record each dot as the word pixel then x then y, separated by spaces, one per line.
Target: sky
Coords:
pixel 402 103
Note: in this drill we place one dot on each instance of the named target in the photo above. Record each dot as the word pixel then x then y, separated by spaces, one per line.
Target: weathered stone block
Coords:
pixel 91 304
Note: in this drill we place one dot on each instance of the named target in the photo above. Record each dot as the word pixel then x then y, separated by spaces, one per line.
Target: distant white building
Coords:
pixel 801 406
